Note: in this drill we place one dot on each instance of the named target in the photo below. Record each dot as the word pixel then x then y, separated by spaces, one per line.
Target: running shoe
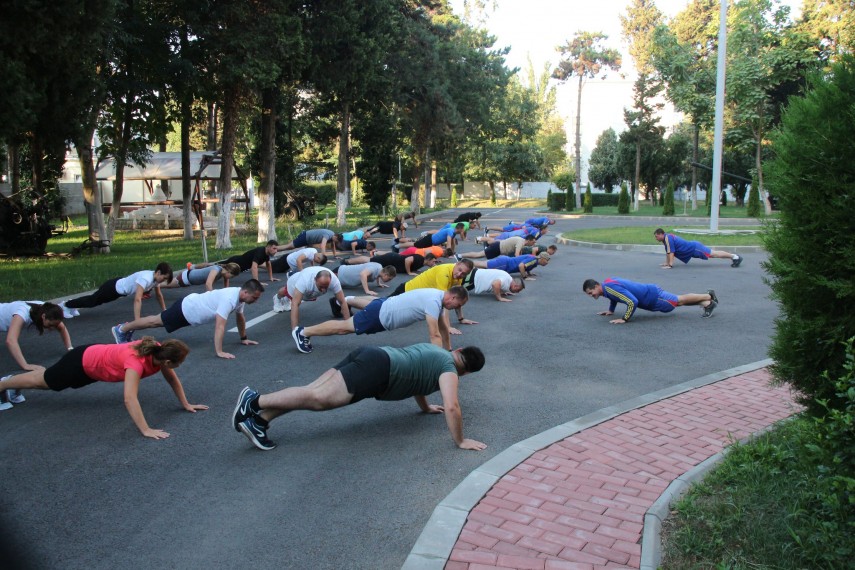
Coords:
pixel 15 396
pixel 458 257
pixel 709 309
pixel 737 261
pixel 120 336
pixel 335 308
pixel 256 434
pixel 67 312
pixel 281 304
pixel 243 408
pixel 713 298
pixel 5 404
pixel 304 345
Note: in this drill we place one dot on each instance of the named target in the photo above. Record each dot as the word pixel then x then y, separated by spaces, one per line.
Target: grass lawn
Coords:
pixel 644 236
pixel 762 507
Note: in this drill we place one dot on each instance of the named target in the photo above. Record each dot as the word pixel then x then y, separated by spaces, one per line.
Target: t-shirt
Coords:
pixel 245 260
pixel 199 308
pixel 399 261
pixel 199 276
pixel 484 280
pixel 415 370
pixel 9 310
pixel 512 264
pixel 410 307
pixel 352 236
pixel 304 281
pixel 436 250
pixel 468 217
pixel 307 252
pixel 509 246
pixel 452 225
pixel 387 227
pixel 108 362
pixel 349 275
pixel 442 236
pixel 316 236
pixel 437 277
pixel 128 285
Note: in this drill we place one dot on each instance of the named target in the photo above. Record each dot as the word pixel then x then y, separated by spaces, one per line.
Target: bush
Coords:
pixel 453 197
pixel 754 209
pixel 811 251
pixel 623 200
pixel 668 206
pixel 589 202
pixel 549 199
pixel 324 192
pixel 601 200
pixel 557 201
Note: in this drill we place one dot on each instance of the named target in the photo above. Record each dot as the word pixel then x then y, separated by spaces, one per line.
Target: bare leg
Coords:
pixel 722 254
pixel 326 393
pixel 359 302
pixel 357 260
pixel 480 264
pixel 474 254
pixel 151 322
pixel 702 299
pixel 34 380
pixel 329 328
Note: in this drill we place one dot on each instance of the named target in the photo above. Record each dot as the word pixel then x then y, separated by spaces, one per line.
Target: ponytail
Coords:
pixel 171 349
pixel 50 311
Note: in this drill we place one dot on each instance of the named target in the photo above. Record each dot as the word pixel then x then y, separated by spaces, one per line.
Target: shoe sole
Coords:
pixel 713 296
pixel 235 423
pixel 116 336
pixel 254 440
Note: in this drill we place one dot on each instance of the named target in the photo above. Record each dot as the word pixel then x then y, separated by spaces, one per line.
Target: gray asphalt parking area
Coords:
pixel 350 488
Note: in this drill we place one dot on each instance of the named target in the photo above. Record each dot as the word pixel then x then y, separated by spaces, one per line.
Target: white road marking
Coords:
pixel 255 321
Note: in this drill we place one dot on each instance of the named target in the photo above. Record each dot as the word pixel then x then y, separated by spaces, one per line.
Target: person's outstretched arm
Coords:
pixel 453 415
pixel 171 378
pixel 132 403
pixel 14 347
pixel 219 334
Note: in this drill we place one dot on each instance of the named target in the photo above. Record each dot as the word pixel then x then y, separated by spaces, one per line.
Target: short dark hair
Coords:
pixel 658 232
pixel 252 286
pixel 589 284
pixel 473 358
pixel 459 292
pixel 272 242
pixel 429 256
pixel 323 260
pixel 459 226
pixel 468 263
pixel 164 269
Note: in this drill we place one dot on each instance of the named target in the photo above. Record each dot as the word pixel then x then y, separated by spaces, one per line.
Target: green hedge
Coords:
pixel 557 201
pixel 601 200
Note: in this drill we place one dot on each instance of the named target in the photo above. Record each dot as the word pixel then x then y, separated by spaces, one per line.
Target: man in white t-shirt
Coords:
pixel 139 285
pixel 390 313
pixel 307 285
pixel 361 274
pixel 493 281
pixel 200 308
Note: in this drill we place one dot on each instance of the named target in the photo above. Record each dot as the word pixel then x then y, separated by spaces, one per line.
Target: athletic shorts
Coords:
pixel 425 241
pixel 68 371
pixel 365 372
pixel 367 321
pixel 173 317
pixel 493 250
pixel 700 252
pixel 665 302
pixel 300 240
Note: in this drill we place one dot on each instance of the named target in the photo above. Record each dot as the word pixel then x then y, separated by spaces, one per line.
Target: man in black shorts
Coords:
pixel 383 373
pixel 474 219
pixel 250 260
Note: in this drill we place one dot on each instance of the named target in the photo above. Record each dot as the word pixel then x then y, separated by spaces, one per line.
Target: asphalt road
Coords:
pixel 350 488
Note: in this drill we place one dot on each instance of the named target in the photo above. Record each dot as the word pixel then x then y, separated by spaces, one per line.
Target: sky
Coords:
pixel 534 28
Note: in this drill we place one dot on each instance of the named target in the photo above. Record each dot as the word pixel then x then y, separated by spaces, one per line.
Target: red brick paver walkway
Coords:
pixel 580 503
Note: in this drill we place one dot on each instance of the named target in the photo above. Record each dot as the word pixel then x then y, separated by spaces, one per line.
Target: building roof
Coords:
pixel 164 166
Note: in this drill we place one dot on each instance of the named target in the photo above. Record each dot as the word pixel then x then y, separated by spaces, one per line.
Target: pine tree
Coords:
pixel 623 200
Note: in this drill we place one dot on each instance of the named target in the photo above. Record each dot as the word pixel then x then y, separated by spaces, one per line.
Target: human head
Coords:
pixel 388 273
pixel 552 249
pixel 320 259
pixel 455 298
pixel 459 228
pixel 543 258
pixel 447 252
pixel 462 268
pixel 46 316
pixel 270 248
pixel 659 234
pixel 471 359
pixel 168 354
pixel 517 285
pixel 322 280
pixel 430 260
pixel 250 291
pixel 592 288
pixel 162 273
pixel 477 215
pixel 529 239
pixel 370 246
pixel 230 270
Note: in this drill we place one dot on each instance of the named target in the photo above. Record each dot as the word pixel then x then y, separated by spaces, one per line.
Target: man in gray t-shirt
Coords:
pixel 362 274
pixel 378 315
pixel 383 373
pixel 318 238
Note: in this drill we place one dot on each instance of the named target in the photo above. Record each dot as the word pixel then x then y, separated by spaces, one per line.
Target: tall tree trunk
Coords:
pixel 164 184
pixel 267 175
pixel 415 192
pixel 695 142
pixel 343 179
pixel 121 160
pixel 224 190
pixel 186 183
pixel 91 192
pixel 14 150
pixel 636 183
pixel 579 146
pixel 37 159
pixel 213 141
pixel 758 163
pixel 427 187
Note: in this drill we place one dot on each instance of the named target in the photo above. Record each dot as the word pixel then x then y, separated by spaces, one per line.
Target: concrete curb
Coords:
pixel 434 545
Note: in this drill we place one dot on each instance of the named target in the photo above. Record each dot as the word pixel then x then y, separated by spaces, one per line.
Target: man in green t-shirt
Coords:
pixel 383 373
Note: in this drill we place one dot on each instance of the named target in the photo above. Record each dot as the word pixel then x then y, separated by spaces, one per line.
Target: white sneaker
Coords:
pixel 69 313
pixel 15 396
pixel 5 404
pixel 281 304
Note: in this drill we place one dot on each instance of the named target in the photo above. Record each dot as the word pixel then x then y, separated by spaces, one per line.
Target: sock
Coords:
pixel 347 299
pixel 261 422
pixel 253 405
pixel 734 256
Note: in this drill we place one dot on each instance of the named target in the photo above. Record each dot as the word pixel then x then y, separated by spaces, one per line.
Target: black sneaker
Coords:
pixel 335 307
pixel 256 434
pixel 736 261
pixel 713 298
pixel 304 345
pixel 709 309
pixel 243 408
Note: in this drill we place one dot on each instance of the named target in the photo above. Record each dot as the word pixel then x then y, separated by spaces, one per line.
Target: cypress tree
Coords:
pixel 570 202
pixel 755 210
pixel 549 199
pixel 453 197
pixel 589 200
pixel 668 206
pixel 623 200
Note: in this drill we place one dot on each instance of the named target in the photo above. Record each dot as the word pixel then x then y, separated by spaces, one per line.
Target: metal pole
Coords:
pixel 715 187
